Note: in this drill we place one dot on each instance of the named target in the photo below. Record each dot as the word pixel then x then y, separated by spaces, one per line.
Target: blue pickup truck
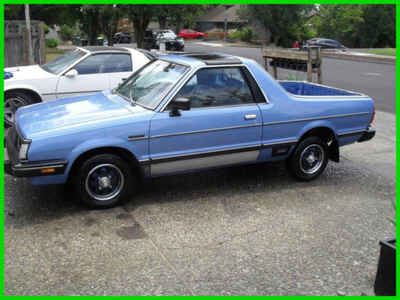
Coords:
pixel 183 113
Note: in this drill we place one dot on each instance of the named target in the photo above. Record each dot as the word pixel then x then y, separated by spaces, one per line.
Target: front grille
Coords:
pixel 13 144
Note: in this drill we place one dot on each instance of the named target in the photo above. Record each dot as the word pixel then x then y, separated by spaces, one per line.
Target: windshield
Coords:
pixel 149 85
pixel 167 35
pixel 60 63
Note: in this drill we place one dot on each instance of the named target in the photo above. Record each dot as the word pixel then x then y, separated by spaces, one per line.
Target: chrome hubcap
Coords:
pixel 312 158
pixel 10 107
pixel 104 182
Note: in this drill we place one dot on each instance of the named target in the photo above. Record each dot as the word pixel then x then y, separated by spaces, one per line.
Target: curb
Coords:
pixel 362 58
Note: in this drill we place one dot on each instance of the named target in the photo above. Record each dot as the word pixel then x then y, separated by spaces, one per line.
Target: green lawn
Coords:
pixel 52 53
pixel 384 51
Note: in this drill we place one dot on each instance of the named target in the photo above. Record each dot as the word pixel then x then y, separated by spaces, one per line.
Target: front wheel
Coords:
pixel 309 159
pixel 13 101
pixel 104 180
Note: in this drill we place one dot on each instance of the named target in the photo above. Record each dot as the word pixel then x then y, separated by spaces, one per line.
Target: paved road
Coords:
pixel 239 231
pixel 376 80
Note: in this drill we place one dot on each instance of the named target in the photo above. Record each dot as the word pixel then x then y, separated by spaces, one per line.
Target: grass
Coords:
pixel 52 53
pixel 384 51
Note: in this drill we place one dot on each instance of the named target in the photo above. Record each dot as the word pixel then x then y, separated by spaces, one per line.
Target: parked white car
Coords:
pixel 82 71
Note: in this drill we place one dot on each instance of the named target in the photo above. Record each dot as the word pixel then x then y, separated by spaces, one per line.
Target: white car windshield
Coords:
pixel 167 35
pixel 60 63
pixel 149 85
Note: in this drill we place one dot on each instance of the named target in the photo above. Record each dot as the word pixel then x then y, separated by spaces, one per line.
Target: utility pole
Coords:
pixel 225 27
pixel 29 34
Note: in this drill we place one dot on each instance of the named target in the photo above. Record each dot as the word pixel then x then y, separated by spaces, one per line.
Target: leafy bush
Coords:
pixel 66 33
pixel 46 29
pixel 245 34
pixel 51 43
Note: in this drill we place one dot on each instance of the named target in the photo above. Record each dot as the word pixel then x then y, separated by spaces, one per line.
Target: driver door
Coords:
pixel 223 126
pixel 91 77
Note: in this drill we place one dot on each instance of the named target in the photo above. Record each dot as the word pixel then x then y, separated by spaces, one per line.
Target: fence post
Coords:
pixel 309 66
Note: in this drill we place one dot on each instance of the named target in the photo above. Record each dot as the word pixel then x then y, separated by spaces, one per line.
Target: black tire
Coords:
pixel 12 101
pixel 89 184
pixel 309 159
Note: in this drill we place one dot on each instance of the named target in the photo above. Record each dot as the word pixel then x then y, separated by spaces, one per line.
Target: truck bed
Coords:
pixel 310 89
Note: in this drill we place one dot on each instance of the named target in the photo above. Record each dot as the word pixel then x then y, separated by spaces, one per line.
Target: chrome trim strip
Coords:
pixel 351 132
pixel 316 118
pixel 19 168
pixel 190 77
pixel 136 137
pixel 205 130
pixel 279 143
pixel 81 92
pixel 225 159
pixel 206 153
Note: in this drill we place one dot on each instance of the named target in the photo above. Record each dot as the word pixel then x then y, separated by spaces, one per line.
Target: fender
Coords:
pixel 18 86
pixel 315 124
pixel 95 144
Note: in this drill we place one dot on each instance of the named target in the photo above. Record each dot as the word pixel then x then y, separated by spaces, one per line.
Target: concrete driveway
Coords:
pixel 240 231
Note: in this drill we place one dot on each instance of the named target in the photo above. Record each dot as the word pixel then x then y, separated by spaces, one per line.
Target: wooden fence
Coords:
pixel 16 45
pixel 306 61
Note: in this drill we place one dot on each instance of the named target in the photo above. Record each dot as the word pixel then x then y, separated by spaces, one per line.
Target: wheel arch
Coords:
pixel 27 90
pixel 327 134
pixel 120 151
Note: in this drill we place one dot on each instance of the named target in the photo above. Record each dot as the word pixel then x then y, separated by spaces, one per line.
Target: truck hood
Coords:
pixel 27 72
pixel 36 119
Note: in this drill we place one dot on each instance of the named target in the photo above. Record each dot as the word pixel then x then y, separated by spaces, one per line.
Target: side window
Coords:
pixel 105 63
pixel 92 65
pixel 118 63
pixel 214 87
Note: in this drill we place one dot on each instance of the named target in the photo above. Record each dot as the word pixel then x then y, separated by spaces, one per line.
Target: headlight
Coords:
pixel 23 151
pixel 181 41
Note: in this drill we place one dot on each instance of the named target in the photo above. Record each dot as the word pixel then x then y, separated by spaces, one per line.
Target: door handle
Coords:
pixel 250 117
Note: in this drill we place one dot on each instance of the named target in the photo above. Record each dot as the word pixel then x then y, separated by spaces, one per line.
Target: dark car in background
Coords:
pixel 153 38
pixel 323 43
pixel 122 38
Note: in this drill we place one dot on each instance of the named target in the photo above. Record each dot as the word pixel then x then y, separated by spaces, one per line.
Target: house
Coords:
pixel 215 18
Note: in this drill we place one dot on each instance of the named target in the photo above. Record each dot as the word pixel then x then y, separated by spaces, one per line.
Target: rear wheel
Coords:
pixel 309 159
pixel 13 101
pixel 104 180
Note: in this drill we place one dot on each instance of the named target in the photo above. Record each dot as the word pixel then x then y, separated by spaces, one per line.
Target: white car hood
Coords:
pixel 27 72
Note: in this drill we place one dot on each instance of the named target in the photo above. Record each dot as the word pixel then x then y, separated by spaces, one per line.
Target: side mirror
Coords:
pixel 179 104
pixel 71 73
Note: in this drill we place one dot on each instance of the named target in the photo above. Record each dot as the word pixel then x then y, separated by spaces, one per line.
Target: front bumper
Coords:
pixel 22 168
pixel 367 135
pixel 33 169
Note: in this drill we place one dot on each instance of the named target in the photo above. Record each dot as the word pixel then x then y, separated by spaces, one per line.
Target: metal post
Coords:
pixel 225 27
pixel 29 35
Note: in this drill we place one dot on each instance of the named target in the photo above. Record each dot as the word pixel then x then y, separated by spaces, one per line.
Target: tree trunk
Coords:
pixel 93 27
pixel 275 39
pixel 29 35
pixel 162 21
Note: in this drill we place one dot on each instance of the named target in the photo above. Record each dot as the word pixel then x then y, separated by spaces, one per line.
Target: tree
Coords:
pixel 340 22
pixel 364 26
pixel 140 16
pixel 50 14
pixel 108 19
pixel 179 15
pixel 374 32
pixel 90 22
pixel 280 20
